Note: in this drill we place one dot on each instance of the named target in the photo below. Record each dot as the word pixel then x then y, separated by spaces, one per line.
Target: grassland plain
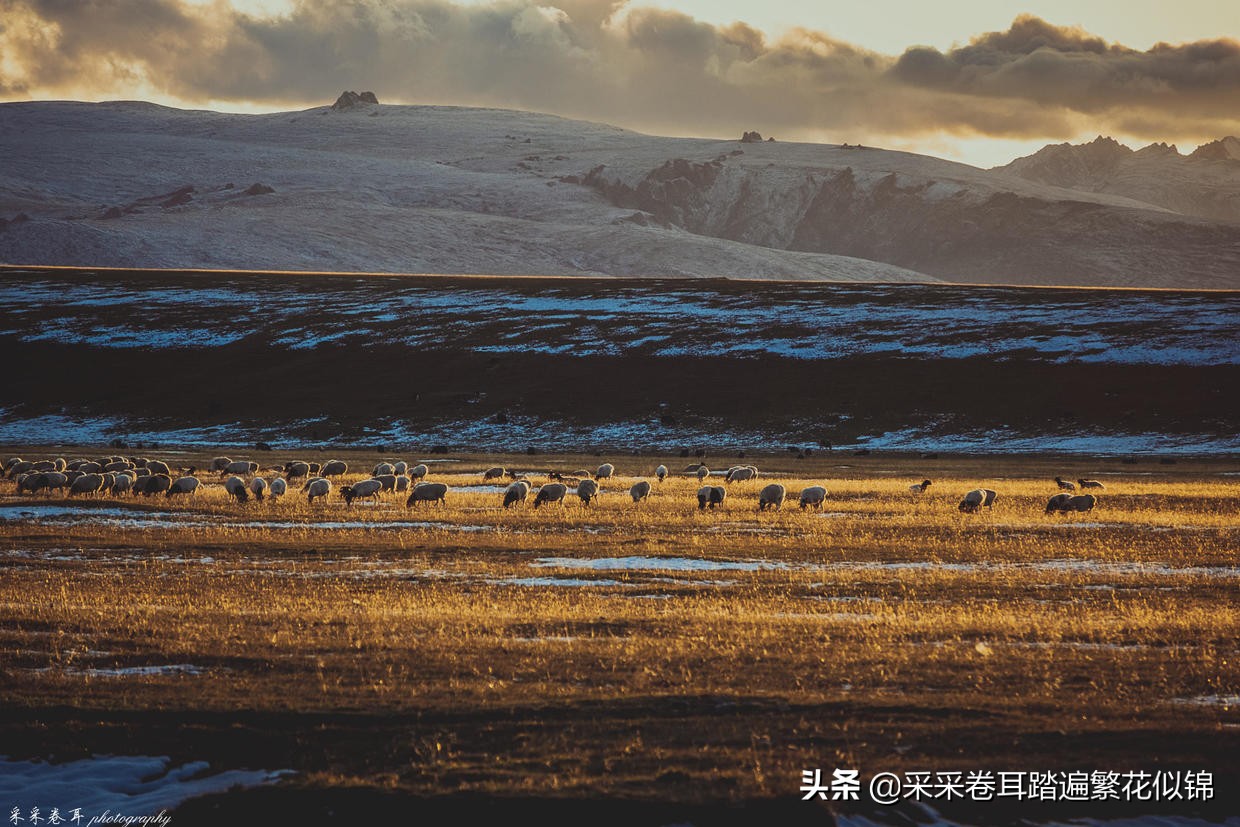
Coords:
pixel 633 663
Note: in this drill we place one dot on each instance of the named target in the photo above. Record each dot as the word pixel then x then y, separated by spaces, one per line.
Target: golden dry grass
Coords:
pixel 500 650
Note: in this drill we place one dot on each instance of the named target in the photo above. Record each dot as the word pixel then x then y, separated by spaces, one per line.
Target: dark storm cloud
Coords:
pixel 612 61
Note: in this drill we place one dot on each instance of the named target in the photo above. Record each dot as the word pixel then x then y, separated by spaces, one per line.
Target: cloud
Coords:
pixel 610 60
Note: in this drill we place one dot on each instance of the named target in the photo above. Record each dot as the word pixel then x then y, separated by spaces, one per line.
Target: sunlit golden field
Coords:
pixel 647 650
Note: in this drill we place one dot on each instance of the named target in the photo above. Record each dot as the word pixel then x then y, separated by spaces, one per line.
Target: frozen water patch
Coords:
pixel 131 785
pixel 134 518
pixel 1224 701
pixel 638 563
pixel 1011 442
pixel 571 582
pixel 162 670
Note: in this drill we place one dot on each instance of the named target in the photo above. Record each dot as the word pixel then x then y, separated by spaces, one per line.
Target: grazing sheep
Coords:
pixel 552 492
pixel 382 468
pixel 235 487
pixel 238 467
pixel 1064 485
pixel 813 497
pixel 48 465
pixel 691 468
pixel 220 463
pixel 387 482
pixel 711 495
pixel 318 487
pixel 83 468
pixel 702 473
pixel 741 473
pixel 315 468
pixel 402 483
pixel 86 484
pixel 977 498
pixel 152 484
pixel 517 492
pixel 293 470
pixel 495 473
pixel 118 465
pixel 604 471
pixel 661 472
pixel 333 468
pixel 428 492
pixel 123 484
pixel 418 472
pixel 258 487
pixel 157 466
pixel 920 487
pixel 42 481
pixel 365 489
pixel 277 488
pixel 1058 502
pixel 772 495
pixel 640 491
pixel 587 490
pixel 19 466
pixel 400 468
pixel 183 485
pixel 1064 503
pixel 1090 484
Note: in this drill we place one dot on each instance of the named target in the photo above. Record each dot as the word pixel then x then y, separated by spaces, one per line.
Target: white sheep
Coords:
pixel 552 492
pixel 220 463
pixel 183 485
pixel 368 489
pixel 317 487
pixel 772 495
pixel 640 491
pixel 278 488
pixel 661 472
pixel 813 497
pixel 428 492
pixel 711 495
pixel 1064 503
pixel 123 484
pixel 382 468
pixel 86 484
pixel 516 493
pixel 495 473
pixel 296 469
pixel 741 473
pixel 258 487
pixel 975 499
pixel 605 471
pixel 235 487
pixel 400 468
pixel 702 473
pixel 333 468
pixel 587 490
pixel 418 472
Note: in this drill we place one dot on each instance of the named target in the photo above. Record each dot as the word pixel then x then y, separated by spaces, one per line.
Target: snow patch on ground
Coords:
pixel 130 785
pixel 786 320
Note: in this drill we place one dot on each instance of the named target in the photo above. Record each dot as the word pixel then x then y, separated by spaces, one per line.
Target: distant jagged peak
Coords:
pixel 1159 149
pixel 1224 149
pixel 1106 142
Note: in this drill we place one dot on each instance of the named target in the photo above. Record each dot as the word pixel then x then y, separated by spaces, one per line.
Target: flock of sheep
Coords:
pixel 138 475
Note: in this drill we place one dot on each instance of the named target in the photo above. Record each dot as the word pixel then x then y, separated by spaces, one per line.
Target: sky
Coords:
pixel 982 81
